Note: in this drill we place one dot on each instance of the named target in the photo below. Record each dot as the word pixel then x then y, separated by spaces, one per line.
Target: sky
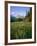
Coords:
pixel 17 10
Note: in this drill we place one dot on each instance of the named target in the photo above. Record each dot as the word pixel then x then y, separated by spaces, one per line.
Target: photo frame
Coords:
pixel 20 22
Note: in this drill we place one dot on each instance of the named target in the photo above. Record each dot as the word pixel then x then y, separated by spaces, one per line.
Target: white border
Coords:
pixel 21 40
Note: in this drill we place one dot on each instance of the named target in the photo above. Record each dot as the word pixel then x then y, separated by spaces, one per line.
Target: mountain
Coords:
pixel 20 16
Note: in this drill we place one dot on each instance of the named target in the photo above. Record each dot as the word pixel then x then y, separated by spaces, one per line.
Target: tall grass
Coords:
pixel 21 30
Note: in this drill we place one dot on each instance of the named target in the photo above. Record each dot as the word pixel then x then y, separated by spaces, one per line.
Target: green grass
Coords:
pixel 21 30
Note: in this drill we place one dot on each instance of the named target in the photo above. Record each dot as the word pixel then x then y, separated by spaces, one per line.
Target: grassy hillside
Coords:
pixel 21 30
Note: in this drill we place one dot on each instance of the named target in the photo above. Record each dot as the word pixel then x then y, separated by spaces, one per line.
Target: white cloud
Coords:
pixel 13 13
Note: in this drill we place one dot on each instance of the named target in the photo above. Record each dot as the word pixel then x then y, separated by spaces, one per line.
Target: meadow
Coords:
pixel 21 26
pixel 20 30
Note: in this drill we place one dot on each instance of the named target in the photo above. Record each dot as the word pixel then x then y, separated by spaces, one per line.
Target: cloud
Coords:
pixel 13 13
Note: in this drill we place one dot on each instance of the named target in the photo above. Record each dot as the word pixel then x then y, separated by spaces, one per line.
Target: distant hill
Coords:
pixel 12 18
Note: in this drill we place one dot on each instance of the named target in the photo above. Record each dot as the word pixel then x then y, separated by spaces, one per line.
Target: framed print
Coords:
pixel 20 22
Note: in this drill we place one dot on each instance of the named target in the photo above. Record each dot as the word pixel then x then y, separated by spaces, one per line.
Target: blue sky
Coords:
pixel 17 10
